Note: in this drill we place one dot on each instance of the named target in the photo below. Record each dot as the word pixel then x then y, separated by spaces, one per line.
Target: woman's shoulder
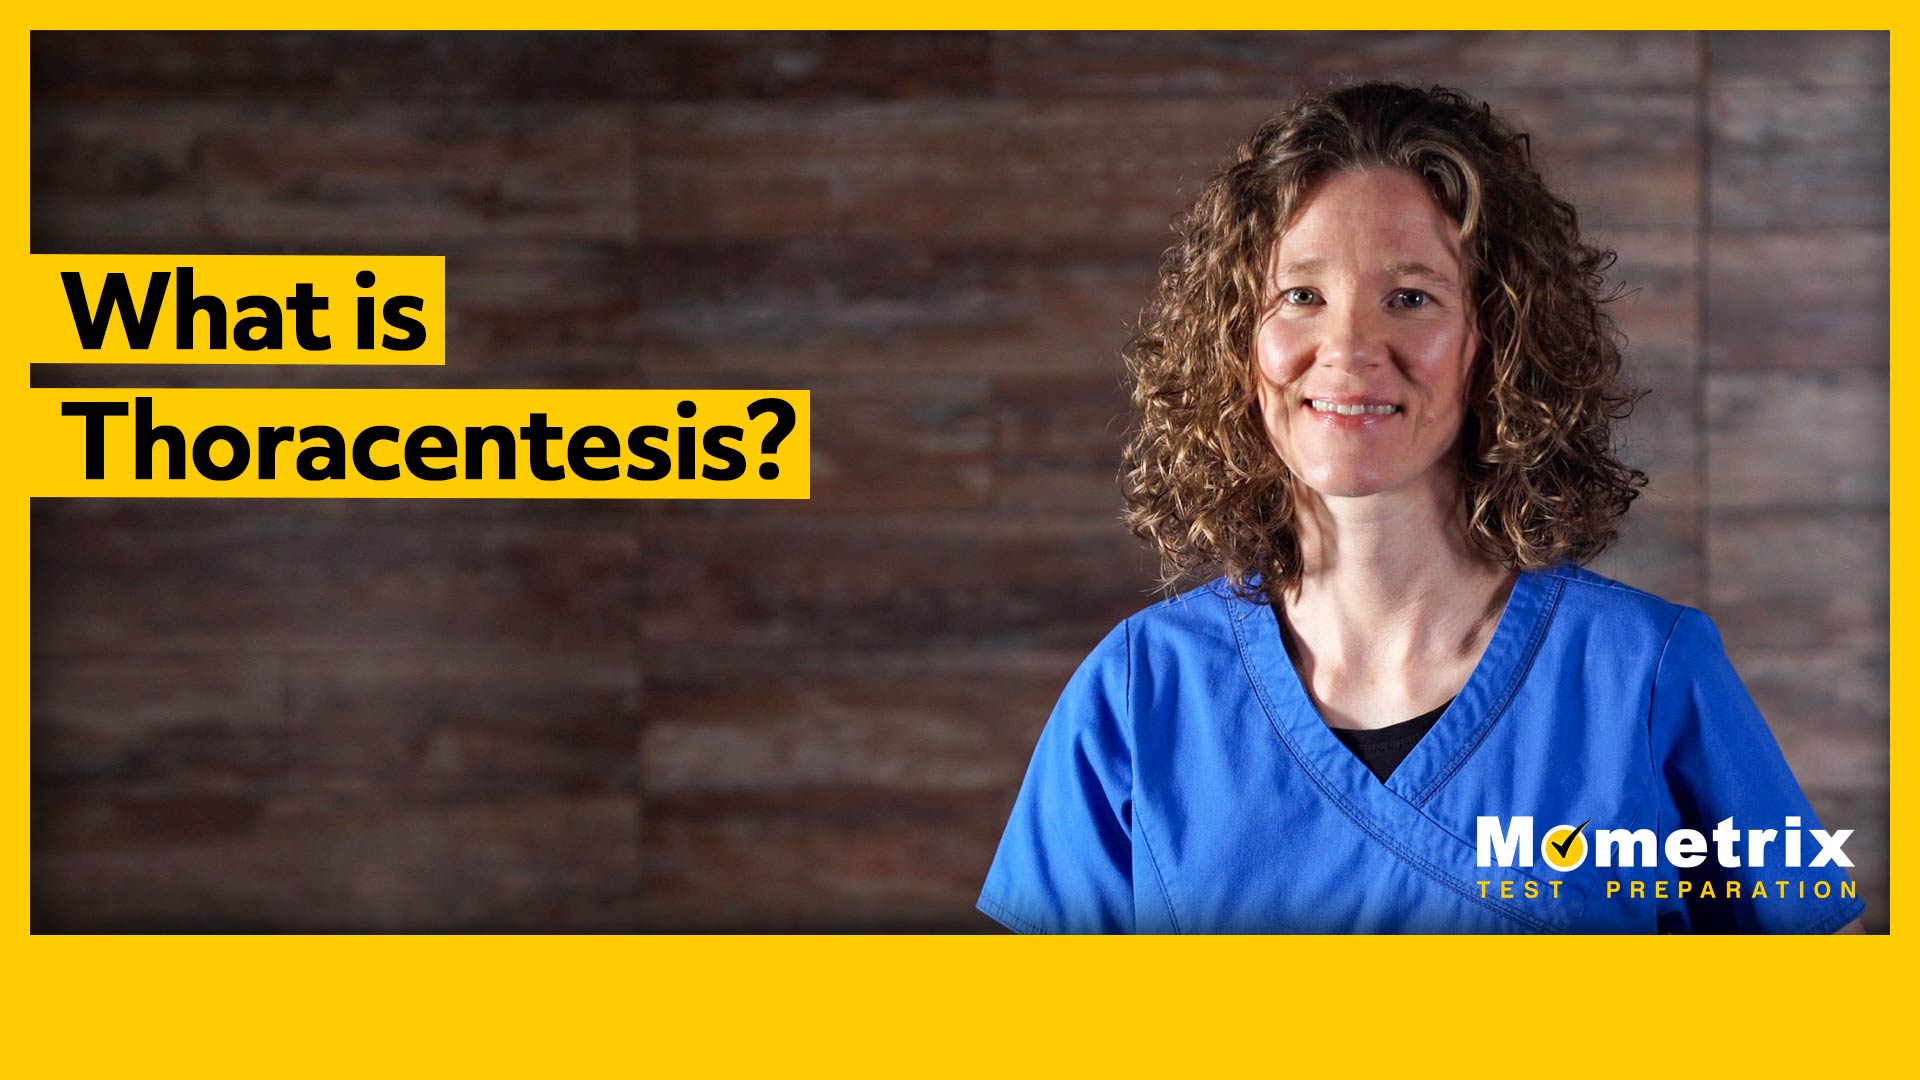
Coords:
pixel 1208 614
pixel 1201 618
pixel 1208 609
pixel 1218 600
pixel 1624 614
pixel 1583 589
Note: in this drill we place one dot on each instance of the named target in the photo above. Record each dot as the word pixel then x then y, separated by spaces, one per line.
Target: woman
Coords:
pixel 1375 392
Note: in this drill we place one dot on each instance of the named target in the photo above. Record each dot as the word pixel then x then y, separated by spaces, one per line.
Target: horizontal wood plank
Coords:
pixel 513 66
pixel 279 576
pixel 745 721
pixel 1799 578
pixel 310 865
pixel 931 580
pixel 1103 174
pixel 1797 438
pixel 854 858
pixel 1798 298
pixel 261 173
pixel 1797 57
pixel 1280 64
pixel 1790 158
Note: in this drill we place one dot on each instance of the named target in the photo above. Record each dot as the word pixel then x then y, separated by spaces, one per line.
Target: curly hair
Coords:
pixel 1203 483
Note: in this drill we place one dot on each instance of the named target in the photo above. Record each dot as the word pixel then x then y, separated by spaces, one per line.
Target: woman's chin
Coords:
pixel 1360 476
pixel 1355 491
pixel 1351 484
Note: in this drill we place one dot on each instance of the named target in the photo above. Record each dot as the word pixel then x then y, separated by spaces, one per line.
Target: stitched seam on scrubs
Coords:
pixel 1154 861
pixel 1653 696
pixel 1133 775
pixel 1541 622
pixel 1354 815
pixel 1000 911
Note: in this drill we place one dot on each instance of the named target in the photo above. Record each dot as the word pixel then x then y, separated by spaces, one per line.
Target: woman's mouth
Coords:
pixel 1329 407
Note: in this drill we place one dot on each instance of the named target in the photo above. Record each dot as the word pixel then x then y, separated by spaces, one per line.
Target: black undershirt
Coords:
pixel 1381 750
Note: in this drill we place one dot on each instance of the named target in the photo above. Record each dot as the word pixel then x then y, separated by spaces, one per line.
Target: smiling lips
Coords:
pixel 1348 411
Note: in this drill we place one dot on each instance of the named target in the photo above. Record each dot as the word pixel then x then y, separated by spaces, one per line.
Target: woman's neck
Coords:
pixel 1394 605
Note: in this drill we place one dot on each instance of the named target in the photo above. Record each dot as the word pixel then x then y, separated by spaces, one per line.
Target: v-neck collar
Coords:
pixel 1452 739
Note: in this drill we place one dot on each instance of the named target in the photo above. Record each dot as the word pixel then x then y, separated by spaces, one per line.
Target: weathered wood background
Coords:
pixel 318 715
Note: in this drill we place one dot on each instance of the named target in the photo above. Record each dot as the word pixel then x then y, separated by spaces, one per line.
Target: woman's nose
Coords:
pixel 1352 338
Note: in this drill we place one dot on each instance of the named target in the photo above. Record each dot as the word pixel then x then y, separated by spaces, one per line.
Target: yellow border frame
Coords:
pixel 144 1005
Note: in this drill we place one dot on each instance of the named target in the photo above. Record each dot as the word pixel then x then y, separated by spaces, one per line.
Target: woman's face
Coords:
pixel 1364 352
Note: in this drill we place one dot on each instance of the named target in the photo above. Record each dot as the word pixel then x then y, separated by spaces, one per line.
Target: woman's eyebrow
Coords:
pixel 1299 266
pixel 1418 269
pixel 1404 268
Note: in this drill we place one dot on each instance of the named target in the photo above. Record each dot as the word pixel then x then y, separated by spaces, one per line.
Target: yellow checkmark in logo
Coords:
pixel 1565 846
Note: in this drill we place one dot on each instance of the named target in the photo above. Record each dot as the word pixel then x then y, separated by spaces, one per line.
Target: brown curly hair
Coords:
pixel 1203 482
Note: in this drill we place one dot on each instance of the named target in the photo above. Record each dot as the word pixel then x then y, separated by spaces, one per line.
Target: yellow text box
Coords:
pixel 510 444
pixel 235 309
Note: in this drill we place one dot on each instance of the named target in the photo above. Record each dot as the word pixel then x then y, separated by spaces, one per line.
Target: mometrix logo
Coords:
pixel 1565 847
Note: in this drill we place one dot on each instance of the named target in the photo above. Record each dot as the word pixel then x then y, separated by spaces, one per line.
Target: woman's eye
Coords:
pixel 1412 298
pixel 1299 295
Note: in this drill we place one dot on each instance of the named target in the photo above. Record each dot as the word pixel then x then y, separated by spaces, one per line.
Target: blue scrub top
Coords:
pixel 1185 783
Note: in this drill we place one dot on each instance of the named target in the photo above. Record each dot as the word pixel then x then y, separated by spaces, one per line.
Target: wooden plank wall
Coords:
pixel 316 715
